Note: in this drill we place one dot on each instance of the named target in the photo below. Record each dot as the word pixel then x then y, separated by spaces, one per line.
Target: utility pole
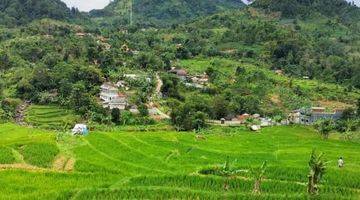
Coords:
pixel 131 12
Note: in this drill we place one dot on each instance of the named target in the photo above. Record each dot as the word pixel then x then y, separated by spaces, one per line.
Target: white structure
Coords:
pixel 264 122
pixel 80 129
pixel 112 98
pixel 255 128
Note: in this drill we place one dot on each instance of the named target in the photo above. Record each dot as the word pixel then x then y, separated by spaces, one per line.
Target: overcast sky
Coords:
pixel 87 5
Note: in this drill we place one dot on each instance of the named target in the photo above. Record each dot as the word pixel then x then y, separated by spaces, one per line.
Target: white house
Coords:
pixel 111 97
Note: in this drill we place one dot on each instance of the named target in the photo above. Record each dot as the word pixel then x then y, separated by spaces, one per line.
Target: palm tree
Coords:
pixel 317 167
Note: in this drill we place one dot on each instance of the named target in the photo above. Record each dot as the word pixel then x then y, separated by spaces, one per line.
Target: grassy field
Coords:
pixel 37 164
pixel 50 117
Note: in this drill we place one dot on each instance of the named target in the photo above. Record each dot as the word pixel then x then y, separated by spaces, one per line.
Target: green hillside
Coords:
pixel 346 12
pixel 19 12
pixel 161 165
pixel 163 12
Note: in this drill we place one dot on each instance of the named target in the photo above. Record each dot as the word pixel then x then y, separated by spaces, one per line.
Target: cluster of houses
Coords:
pixel 301 116
pixel 111 97
pixel 199 81
pixel 313 114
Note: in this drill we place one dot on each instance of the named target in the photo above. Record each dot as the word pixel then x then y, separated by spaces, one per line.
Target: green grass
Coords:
pixel 39 154
pixel 50 117
pixel 165 164
pixel 6 155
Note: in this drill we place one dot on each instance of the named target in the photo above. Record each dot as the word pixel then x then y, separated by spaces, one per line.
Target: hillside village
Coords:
pixel 116 96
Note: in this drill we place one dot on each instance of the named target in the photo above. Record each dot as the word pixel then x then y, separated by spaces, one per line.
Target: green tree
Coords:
pixel 185 118
pixel 324 127
pixel 199 120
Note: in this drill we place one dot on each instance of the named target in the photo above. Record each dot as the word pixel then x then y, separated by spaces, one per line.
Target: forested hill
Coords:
pixel 161 12
pixel 345 11
pixel 20 12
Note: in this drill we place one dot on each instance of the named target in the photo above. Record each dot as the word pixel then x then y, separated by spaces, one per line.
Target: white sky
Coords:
pixel 87 5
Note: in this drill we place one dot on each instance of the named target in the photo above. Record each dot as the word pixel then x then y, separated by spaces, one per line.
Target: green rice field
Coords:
pixel 40 164
pixel 50 117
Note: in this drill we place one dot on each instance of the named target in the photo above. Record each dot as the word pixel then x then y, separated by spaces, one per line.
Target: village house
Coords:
pixel 112 98
pixel 310 116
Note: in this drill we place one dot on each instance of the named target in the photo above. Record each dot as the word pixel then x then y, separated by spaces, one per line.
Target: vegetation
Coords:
pixel 164 164
pixel 39 154
pixel 51 117
pixel 258 175
pixel 180 65
pixel 317 167
pixel 17 12
pixel 161 13
pixel 6 156
pixel 324 127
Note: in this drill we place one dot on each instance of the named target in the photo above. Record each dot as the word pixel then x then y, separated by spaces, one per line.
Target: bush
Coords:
pixel 8 107
pixel 186 118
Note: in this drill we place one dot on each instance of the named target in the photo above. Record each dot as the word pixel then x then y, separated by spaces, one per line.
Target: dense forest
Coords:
pixel 19 12
pixel 59 61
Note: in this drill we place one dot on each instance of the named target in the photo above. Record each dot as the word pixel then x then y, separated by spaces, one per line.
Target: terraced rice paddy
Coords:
pixel 165 165
pixel 50 117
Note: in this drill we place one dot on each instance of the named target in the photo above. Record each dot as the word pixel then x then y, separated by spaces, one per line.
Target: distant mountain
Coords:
pixel 166 11
pixel 19 12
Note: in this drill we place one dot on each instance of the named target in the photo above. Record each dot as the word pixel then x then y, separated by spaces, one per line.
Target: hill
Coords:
pixel 162 12
pixel 345 11
pixel 19 12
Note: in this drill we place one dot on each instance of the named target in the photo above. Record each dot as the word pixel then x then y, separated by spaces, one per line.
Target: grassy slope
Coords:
pixel 228 67
pixel 159 165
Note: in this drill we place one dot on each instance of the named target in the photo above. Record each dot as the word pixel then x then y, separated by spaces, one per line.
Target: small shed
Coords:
pixel 80 129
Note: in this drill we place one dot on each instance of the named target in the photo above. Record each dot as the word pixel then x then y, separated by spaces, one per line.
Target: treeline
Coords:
pixel 346 12
pixel 326 53
pixel 20 12
pixel 160 13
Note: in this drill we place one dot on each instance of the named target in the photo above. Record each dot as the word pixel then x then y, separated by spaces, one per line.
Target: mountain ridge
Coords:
pixel 166 12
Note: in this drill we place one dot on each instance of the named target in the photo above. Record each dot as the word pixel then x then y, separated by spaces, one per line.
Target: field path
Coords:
pixel 59 163
pixel 69 166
